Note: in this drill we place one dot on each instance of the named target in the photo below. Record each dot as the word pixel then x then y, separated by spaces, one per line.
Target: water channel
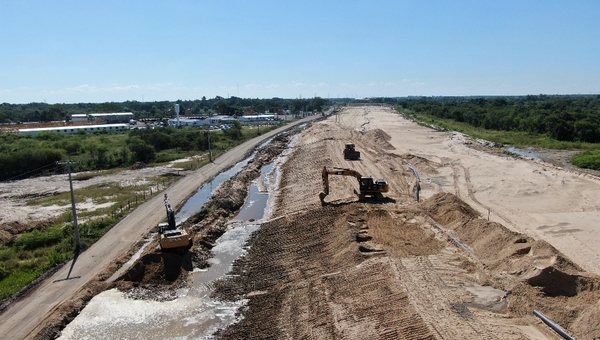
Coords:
pixel 193 314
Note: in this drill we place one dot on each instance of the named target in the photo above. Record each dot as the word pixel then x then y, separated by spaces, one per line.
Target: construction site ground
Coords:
pixel 434 269
pixel 491 238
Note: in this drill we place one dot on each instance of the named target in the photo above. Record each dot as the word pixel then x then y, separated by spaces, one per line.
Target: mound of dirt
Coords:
pixel 10 231
pixel 317 269
pixel 449 210
pixel 138 165
pixel 535 274
pixel 378 137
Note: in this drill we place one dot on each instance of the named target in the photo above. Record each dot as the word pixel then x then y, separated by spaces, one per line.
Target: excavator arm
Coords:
pixel 368 187
pixel 335 171
pixel 170 214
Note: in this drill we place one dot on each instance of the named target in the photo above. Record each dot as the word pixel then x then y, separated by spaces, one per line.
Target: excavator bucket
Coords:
pixel 322 196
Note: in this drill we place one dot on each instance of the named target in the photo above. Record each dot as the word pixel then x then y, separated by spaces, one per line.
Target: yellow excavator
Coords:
pixel 171 236
pixel 367 186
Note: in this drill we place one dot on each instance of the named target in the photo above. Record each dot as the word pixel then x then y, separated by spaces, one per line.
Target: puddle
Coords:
pixel 195 203
pixel 541 157
pixel 112 316
pixel 487 297
pixel 193 315
pixel 523 153
pixel 256 204
pixel 254 209
pixel 228 248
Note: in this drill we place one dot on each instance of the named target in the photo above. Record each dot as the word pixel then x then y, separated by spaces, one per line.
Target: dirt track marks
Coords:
pixel 471 194
pixel 364 270
pixel 434 290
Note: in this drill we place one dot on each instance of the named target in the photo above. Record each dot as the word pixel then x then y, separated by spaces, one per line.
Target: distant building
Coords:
pixel 118 117
pixel 189 122
pixel 206 121
pixel 257 118
pixel 75 129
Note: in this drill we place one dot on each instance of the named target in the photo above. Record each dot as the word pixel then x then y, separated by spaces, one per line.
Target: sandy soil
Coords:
pixel 434 269
pixel 397 268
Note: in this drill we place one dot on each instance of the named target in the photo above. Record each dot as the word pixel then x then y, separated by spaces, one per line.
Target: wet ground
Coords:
pixel 188 310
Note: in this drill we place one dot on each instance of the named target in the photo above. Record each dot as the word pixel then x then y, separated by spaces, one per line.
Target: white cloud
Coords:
pixel 79 88
pixel 125 88
pixel 346 85
pixel 296 84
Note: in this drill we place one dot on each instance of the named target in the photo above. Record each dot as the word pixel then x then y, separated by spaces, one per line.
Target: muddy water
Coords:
pixel 193 315
pixel 523 153
pixel 533 155
pixel 256 204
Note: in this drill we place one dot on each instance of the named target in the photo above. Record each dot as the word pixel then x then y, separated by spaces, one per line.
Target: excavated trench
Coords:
pixel 171 290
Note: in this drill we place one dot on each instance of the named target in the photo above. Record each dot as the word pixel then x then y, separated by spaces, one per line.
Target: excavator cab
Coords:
pixel 369 187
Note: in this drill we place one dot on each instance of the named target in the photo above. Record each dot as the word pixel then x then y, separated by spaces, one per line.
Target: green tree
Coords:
pixel 235 131
pixel 141 151
pixel 316 104
pixel 98 153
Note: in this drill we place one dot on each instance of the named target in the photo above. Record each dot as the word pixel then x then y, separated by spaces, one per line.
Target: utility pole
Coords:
pixel 209 151
pixel 77 239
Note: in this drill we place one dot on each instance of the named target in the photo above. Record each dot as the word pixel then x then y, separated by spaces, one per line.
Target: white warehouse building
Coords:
pixel 76 129
pixel 222 119
pixel 257 118
pixel 116 117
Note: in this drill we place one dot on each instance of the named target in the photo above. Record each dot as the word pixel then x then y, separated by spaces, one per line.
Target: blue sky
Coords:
pixel 103 51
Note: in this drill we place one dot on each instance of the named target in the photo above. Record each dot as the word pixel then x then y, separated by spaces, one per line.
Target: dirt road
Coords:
pixel 22 319
pixel 433 269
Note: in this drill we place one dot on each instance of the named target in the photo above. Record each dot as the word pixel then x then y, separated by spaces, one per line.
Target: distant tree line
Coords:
pixel 42 112
pixel 564 118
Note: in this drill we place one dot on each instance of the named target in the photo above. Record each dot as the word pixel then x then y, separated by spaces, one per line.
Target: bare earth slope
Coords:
pixel 434 269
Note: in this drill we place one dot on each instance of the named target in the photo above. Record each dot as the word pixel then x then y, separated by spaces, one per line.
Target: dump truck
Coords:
pixel 367 186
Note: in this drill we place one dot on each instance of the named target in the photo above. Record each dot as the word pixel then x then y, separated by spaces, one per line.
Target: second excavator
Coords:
pixel 171 236
pixel 367 186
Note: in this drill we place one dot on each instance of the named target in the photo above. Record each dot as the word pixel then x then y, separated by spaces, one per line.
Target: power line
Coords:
pixel 30 171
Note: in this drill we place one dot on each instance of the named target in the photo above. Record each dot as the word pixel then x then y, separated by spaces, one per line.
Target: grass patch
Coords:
pixel 84 176
pixel 39 238
pixel 589 159
pixel 34 252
